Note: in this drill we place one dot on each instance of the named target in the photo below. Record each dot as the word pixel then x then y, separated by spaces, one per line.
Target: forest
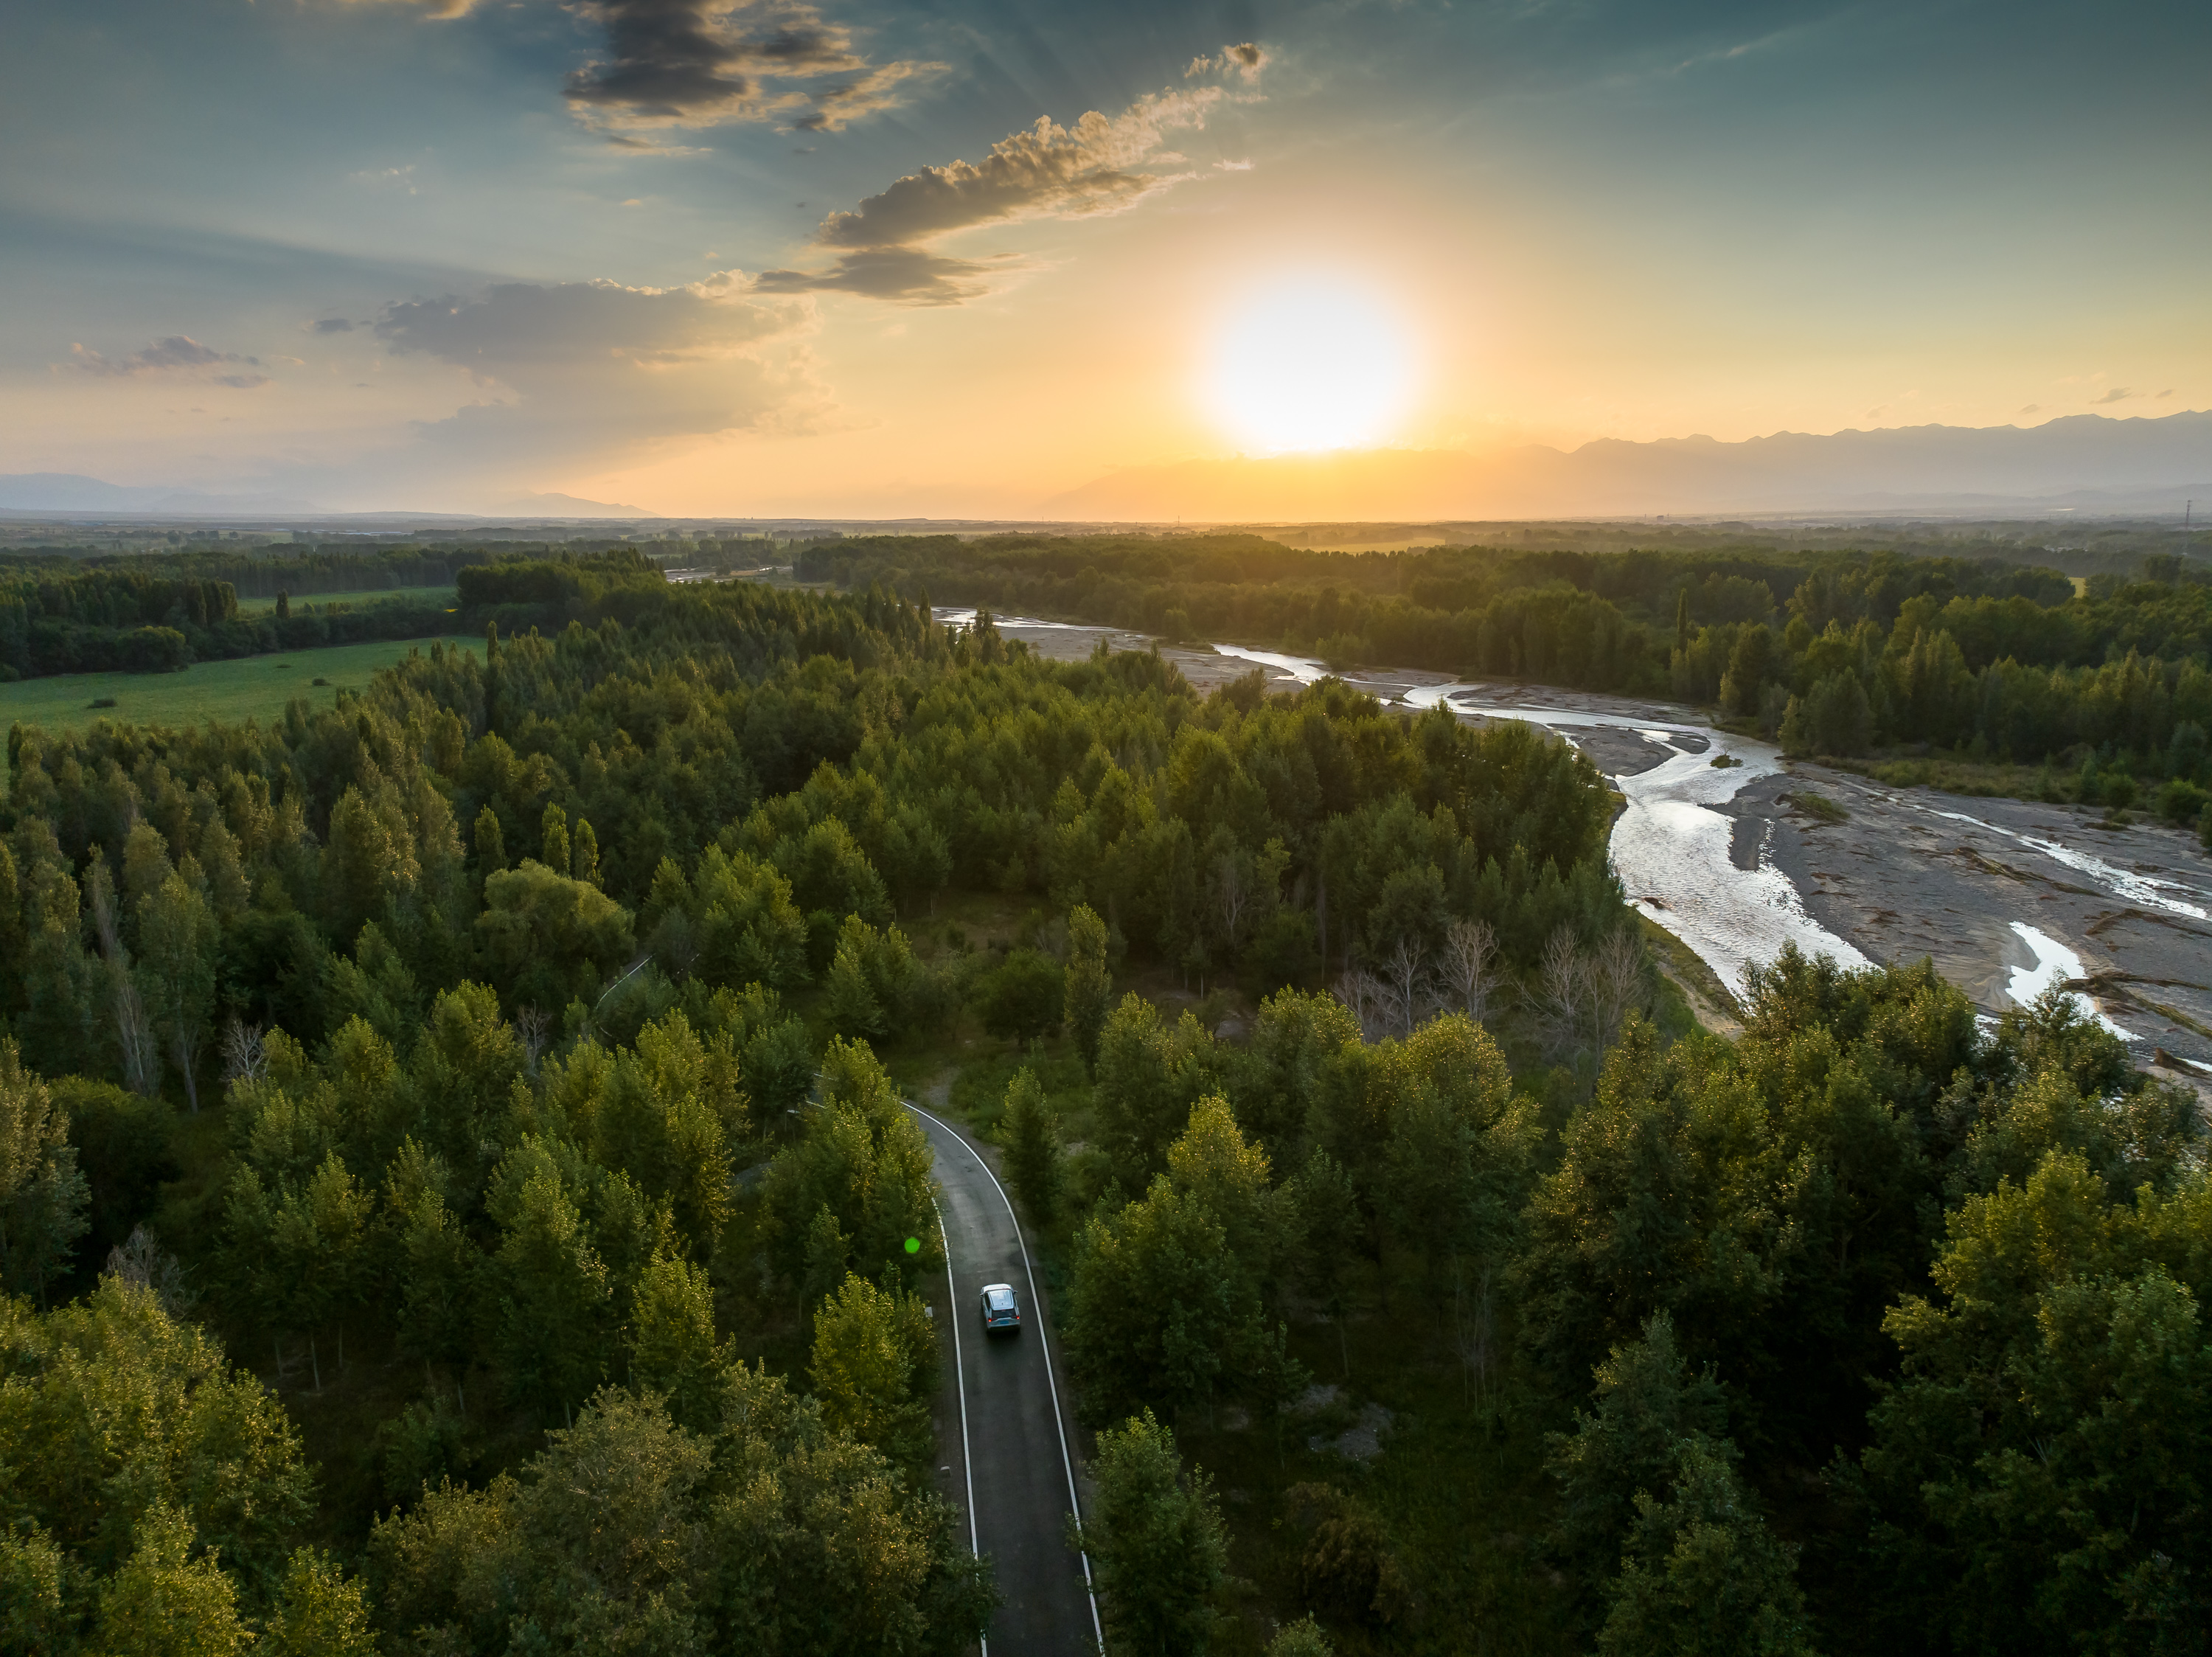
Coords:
pixel 455 1194
pixel 2105 694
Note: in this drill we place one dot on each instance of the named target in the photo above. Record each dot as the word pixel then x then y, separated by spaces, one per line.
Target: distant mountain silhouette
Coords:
pixel 30 493
pixel 565 506
pixel 2083 462
pixel 67 491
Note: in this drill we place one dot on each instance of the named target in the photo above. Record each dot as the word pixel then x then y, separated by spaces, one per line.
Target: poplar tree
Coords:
pixel 177 944
pixel 43 1197
pixel 165 1600
pixel 553 840
pixel 319 1238
pixel 874 1369
pixel 1157 1546
pixel 1034 1162
pixel 555 1300
pixel 674 1351
pixel 1089 986
pixel 584 862
pixel 490 841
pixel 441 1270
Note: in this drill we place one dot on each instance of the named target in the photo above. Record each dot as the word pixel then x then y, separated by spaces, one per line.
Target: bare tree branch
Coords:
pixel 1406 977
pixel 244 1054
pixel 1563 993
pixel 1618 984
pixel 1367 1000
pixel 533 1025
pixel 1469 966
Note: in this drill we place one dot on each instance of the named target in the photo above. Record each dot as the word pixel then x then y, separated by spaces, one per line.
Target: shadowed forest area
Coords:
pixel 455 1196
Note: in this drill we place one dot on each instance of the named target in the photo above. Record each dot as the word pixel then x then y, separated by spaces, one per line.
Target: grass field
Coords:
pixel 253 687
pixel 445 597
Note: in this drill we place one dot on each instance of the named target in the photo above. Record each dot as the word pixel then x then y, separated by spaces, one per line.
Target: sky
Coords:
pixel 959 258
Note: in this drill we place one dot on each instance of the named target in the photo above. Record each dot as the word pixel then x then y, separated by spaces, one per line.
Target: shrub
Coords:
pixel 1021 998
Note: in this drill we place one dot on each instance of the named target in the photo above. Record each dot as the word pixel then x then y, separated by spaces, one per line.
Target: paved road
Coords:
pixel 1016 1461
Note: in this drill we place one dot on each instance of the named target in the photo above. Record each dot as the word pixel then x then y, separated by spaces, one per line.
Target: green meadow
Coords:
pixel 252 687
pixel 446 597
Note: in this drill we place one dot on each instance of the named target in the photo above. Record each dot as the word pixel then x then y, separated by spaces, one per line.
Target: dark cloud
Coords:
pixel 2118 394
pixel 177 353
pixel 694 62
pixel 882 247
pixel 333 325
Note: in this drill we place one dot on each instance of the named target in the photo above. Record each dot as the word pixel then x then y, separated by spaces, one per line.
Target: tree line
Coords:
pixel 1836 653
pixel 157 613
pixel 100 622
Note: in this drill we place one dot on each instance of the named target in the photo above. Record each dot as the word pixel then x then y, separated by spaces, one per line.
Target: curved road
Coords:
pixel 1004 1426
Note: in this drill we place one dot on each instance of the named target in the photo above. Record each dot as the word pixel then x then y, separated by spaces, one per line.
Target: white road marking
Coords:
pixel 1067 1462
pixel 960 1375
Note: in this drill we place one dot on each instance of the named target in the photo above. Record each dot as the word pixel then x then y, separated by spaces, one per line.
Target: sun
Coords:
pixel 1310 362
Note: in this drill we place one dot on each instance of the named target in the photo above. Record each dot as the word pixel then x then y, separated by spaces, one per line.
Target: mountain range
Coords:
pixel 32 493
pixel 2081 463
pixel 2085 463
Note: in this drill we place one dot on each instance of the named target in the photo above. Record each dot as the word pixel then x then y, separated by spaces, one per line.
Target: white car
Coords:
pixel 1002 1311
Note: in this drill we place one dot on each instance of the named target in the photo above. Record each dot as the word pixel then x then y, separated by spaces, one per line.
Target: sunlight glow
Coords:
pixel 1313 362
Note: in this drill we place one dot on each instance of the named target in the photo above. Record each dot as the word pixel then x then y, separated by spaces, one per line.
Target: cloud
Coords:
pixel 2118 394
pixel 2162 395
pixel 2032 408
pixel 701 63
pixel 884 247
pixel 911 276
pixel 874 90
pixel 574 369
pixel 333 325
pixel 387 178
pixel 177 353
pixel 442 9
pixel 1244 61
pixel 520 323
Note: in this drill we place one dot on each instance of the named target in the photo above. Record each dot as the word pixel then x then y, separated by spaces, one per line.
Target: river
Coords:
pixel 1906 876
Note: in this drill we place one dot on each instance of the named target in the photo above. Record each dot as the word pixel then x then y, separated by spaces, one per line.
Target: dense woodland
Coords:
pixel 2109 691
pixel 454 1187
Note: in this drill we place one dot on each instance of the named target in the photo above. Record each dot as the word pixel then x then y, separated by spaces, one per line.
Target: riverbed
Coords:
pixel 2007 898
